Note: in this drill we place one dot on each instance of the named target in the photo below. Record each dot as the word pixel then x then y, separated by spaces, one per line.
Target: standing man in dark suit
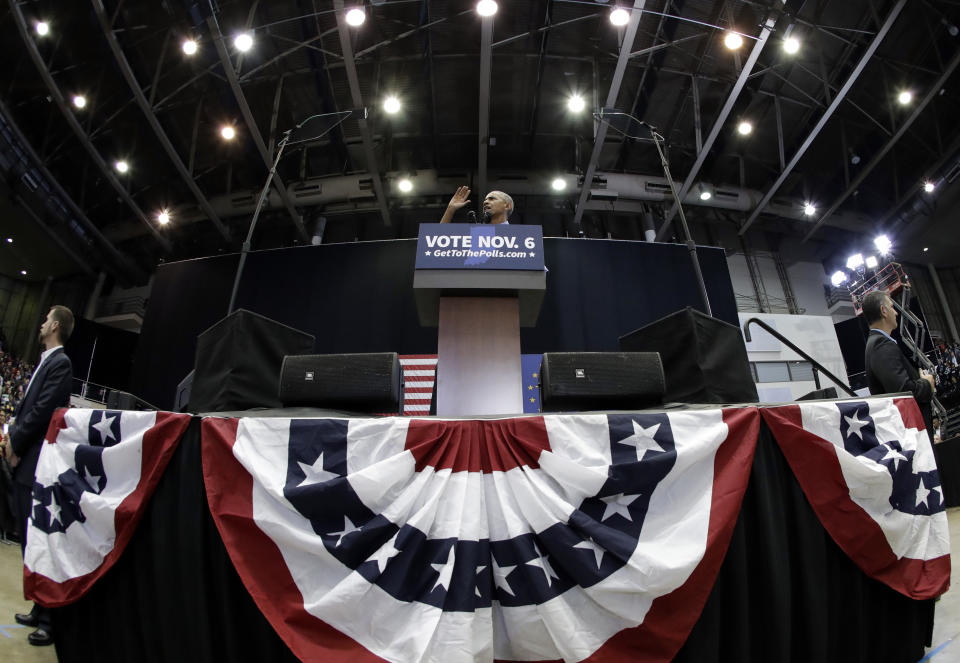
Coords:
pixel 888 371
pixel 48 389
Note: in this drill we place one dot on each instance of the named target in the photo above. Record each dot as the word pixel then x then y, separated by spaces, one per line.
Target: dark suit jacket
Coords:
pixel 889 372
pixel 50 389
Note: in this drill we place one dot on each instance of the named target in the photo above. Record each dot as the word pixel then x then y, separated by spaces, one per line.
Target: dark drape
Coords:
pixel 948 464
pixel 785 591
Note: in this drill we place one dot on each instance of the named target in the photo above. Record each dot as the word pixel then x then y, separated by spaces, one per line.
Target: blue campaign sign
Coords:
pixel 474 246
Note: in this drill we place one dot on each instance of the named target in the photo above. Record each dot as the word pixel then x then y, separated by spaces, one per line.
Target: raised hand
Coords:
pixel 460 198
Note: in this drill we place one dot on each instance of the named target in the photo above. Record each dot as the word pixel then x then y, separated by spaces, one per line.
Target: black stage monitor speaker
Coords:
pixel 367 382
pixel 820 394
pixel 124 400
pixel 704 359
pixel 238 362
pixel 579 381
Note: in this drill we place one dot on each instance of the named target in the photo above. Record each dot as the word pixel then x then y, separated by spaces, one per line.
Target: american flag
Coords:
pixel 534 538
pixel 419 377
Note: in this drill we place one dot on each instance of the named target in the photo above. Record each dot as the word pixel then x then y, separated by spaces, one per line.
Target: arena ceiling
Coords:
pixel 483 102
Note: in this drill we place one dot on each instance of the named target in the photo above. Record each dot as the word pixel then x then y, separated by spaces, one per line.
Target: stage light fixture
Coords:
pixel 243 42
pixel 189 46
pixel 905 97
pixel 79 100
pixel 744 128
pixel 356 16
pixel 871 262
pixel 23 271
pixel 558 184
pixel 391 105
pixel 854 261
pixel 163 218
pixel 487 7
pixel 619 17
pixel 733 41
pixel 42 28
pixel 122 166
pixel 929 186
pixel 575 103
pixel 405 185
pixel 791 45
pixel 883 244
pixel 705 192
pixel 838 277
pixel 926 248
pixel 809 209
pixel 227 132
pixel 9 240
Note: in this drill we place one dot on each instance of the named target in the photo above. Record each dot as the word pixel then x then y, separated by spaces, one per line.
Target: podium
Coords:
pixel 478 284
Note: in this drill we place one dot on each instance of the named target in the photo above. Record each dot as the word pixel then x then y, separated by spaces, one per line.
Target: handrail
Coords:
pixel 783 339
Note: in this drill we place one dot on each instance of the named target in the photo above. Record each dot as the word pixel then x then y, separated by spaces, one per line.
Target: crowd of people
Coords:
pixel 14 375
pixel 948 375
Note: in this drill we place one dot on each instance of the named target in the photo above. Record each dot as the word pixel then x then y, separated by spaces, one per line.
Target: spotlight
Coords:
pixel 619 17
pixel 558 184
pixel 871 262
pixel 809 209
pixel 575 103
pixel 854 261
pixel 838 277
pixel 9 240
pixel 744 128
pixel 42 28
pixel 883 244
pixel 356 17
pixel 189 46
pixel 405 185
pixel 706 193
pixel 791 45
pixel 122 166
pixel 905 97
pixel 925 249
pixel 733 41
pixel 487 7
pixel 391 105
pixel 23 271
pixel 228 132
pixel 163 218
pixel 79 100
pixel 929 186
pixel 243 42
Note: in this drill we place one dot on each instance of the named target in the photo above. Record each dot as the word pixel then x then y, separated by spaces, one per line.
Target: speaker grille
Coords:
pixel 573 381
pixel 368 382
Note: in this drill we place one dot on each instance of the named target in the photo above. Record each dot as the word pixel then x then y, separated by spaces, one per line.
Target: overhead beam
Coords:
pixel 234 82
pixel 720 122
pixel 818 127
pixel 152 120
pixel 483 131
pixel 72 122
pixel 629 34
pixel 862 175
pixel 350 67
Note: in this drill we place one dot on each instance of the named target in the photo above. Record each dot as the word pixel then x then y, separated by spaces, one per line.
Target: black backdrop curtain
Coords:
pixel 785 591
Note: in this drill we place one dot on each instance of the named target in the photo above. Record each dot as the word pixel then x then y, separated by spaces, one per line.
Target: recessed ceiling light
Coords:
pixel 79 100
pixel 243 41
pixel 905 97
pixel 9 240
pixel 558 184
pixel 391 105
pixel 121 166
pixel 189 46
pixel 487 7
pixel 42 28
pixel 163 218
pixel 619 17
pixel 809 209
pixel 791 45
pixel 23 271
pixel 926 248
pixel 744 128
pixel 356 16
pixel 733 41
pixel 405 185
pixel 228 132
pixel 929 186
pixel 576 103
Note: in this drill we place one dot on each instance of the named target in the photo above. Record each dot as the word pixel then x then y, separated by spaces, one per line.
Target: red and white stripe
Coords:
pixel 419 377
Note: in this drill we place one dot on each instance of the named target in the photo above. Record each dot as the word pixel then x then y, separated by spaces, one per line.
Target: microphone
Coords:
pixel 472 216
pixel 486 217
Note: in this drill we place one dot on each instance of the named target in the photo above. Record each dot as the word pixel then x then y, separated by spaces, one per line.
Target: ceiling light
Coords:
pixel 189 46
pixel 79 100
pixel 883 244
pixel 487 7
pixel 243 42
pixel 558 184
pixel 23 271
pixel 356 17
pixel 576 103
pixel 929 186
pixel 121 166
pixel 855 159
pixel 706 192
pixel 405 185
pixel 391 105
pixel 871 262
pixel 228 132
pixel 163 218
pixel 809 209
pixel 9 240
pixel 791 45
pixel 838 277
pixel 42 28
pixel 619 17
pixel 926 248
pixel 744 128
pixel 905 97
pixel 854 261
pixel 733 41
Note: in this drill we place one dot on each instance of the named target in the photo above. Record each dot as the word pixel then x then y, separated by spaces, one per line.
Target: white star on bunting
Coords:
pixel 500 574
pixel 642 440
pixel 445 570
pixel 103 427
pixel 54 509
pixel 476 588
pixel 618 504
pixel 855 425
pixel 922 493
pixel 348 527
pixel 314 474
pixel 894 455
pixel 384 554
pixel 542 563
pixel 92 480
pixel 597 551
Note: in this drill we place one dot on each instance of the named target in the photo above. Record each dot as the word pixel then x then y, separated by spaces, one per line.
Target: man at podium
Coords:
pixel 497 206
